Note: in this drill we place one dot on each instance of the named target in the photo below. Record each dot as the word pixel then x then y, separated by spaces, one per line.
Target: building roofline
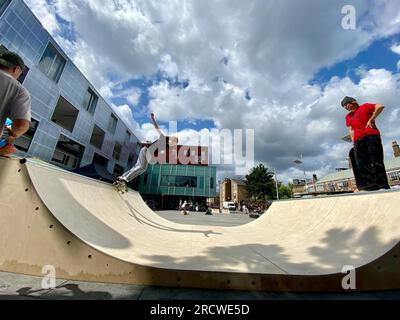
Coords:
pixel 54 42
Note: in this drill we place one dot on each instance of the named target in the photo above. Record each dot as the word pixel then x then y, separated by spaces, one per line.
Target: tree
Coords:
pixel 286 192
pixel 259 183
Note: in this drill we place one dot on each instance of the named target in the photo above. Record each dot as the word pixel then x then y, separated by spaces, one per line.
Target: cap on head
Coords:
pixel 11 59
pixel 347 100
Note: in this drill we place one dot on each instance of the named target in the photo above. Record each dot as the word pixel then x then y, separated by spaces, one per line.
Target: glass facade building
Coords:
pixel 168 185
pixel 72 125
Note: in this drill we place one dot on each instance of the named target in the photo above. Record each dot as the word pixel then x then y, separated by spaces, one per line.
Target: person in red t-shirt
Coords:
pixel 368 148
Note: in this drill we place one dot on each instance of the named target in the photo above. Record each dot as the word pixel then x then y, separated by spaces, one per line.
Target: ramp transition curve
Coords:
pixel 89 232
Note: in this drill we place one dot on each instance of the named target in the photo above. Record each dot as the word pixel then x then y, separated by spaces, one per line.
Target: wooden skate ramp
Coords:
pixel 87 231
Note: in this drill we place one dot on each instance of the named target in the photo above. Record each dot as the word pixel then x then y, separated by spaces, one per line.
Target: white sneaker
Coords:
pixel 120 186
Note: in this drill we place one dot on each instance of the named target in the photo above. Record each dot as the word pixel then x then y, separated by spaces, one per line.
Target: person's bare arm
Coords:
pixel 155 124
pixel 18 128
pixel 378 110
pixel 351 131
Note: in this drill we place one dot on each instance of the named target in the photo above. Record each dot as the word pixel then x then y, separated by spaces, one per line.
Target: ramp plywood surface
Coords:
pixel 294 245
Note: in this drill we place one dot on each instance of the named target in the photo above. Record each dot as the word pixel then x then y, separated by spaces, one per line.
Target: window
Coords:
pixel 97 138
pixel 3 5
pixel 65 114
pixel 90 101
pixel 127 137
pixel 117 151
pixel 118 170
pixel 23 75
pixel 24 142
pixel 130 160
pixel 68 153
pixel 298 182
pixel 100 160
pixel 394 176
pixel 112 124
pixel 331 187
pixel 212 182
pixel 179 181
pixel 52 63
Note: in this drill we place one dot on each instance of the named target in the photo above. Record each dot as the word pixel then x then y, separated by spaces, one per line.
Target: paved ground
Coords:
pixel 199 218
pixel 16 286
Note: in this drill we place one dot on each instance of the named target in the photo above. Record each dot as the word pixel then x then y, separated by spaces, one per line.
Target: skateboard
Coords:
pixel 120 186
pixel 355 168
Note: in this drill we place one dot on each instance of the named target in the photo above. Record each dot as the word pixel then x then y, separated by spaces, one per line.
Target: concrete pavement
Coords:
pixel 21 287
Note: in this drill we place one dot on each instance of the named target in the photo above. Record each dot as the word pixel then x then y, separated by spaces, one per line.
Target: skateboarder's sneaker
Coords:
pixel 120 186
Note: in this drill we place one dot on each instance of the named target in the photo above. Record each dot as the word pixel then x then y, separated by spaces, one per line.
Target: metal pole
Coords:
pixel 276 183
pixel 304 169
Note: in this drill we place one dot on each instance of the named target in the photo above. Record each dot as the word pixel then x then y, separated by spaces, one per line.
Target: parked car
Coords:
pixel 229 205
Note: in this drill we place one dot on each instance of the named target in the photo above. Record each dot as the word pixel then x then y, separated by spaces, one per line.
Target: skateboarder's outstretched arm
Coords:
pixel 171 140
pixel 156 125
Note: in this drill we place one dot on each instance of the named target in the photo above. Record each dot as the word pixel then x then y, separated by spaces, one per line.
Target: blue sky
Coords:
pixel 273 61
pixel 377 56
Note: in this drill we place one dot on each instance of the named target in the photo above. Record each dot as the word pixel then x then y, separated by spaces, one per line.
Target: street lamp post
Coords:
pixel 276 184
pixel 304 170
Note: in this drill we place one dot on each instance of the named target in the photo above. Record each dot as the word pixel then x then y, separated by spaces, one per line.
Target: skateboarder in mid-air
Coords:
pixel 369 169
pixel 147 152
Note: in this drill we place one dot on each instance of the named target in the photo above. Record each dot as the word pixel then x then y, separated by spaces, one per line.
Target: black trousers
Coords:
pixel 368 152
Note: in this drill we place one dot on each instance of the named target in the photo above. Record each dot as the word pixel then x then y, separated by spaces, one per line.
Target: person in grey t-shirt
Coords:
pixel 147 154
pixel 15 101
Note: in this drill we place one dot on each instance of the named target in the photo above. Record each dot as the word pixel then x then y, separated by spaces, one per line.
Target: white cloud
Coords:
pixel 134 96
pixel 395 48
pixel 125 113
pixel 168 67
pixel 131 94
pixel 228 49
pixel 45 13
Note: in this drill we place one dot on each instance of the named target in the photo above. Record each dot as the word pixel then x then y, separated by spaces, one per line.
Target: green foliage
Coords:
pixel 286 191
pixel 259 183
